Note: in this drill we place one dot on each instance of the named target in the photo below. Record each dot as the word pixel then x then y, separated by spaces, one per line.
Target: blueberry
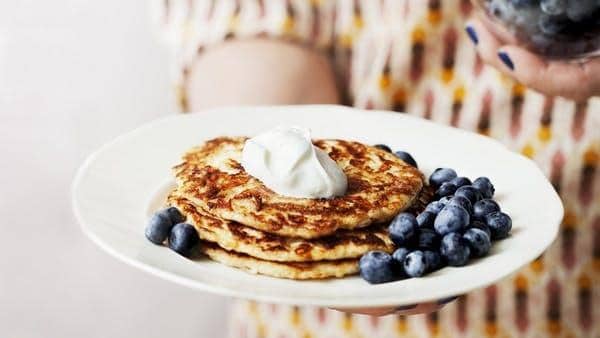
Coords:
pixel 376 267
pixel 441 175
pixel 425 219
pixel 485 187
pixel 461 201
pixel 553 7
pixel 398 257
pixel 479 242
pixel 483 208
pixel 550 25
pixel 406 157
pixel 427 239
pixel 481 226
pixel 414 264
pixel 435 207
pixel 158 228
pixel 455 249
pixel 174 215
pixel 460 181
pixel 400 254
pixel 469 192
pixel 452 218
pixel 499 224
pixel 446 189
pixel 524 3
pixel 433 260
pixel 444 200
pixel 183 238
pixel 500 10
pixel 581 9
pixel 403 228
pixel 383 147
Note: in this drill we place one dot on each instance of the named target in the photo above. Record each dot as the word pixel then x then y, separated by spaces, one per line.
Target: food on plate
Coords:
pixel 290 270
pixel 379 186
pixel 237 237
pixel 284 205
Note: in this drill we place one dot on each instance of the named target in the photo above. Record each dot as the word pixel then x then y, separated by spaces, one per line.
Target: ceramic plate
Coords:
pixel 119 185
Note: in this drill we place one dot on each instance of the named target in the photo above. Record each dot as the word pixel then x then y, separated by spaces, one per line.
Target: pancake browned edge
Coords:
pixel 423 199
pixel 236 237
pixel 289 270
pixel 380 185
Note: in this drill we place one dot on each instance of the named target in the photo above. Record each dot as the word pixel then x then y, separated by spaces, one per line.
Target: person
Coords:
pixel 431 59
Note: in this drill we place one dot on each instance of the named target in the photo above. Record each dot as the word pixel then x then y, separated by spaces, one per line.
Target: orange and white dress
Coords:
pixel 412 56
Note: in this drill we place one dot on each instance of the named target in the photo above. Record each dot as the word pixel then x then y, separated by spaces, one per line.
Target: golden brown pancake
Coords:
pixel 234 236
pixel 423 199
pixel 290 270
pixel 380 185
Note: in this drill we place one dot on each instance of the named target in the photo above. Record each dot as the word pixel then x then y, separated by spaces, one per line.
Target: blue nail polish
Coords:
pixel 506 60
pixel 472 34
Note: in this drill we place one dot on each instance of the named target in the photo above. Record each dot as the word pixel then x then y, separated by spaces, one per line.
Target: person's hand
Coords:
pixel 578 80
pixel 405 310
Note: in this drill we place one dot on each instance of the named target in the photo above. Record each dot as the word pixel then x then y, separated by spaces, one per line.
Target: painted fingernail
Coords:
pixel 506 60
pixel 472 34
pixel 447 300
pixel 406 307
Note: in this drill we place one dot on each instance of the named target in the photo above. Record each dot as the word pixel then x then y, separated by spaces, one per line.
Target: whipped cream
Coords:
pixel 285 160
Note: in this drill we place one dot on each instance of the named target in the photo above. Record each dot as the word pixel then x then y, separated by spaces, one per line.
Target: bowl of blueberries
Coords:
pixel 557 29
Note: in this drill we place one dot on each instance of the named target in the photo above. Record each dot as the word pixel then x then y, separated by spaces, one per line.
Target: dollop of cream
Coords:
pixel 285 160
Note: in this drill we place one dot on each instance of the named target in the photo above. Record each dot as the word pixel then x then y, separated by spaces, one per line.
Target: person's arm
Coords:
pixel 573 80
pixel 260 72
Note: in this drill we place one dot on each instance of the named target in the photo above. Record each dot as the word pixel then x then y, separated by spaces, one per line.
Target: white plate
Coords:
pixel 118 185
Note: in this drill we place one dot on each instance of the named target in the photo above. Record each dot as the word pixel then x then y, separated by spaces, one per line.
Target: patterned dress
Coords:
pixel 412 56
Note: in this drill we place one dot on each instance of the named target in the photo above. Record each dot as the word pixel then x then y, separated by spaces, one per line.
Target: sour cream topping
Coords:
pixel 285 160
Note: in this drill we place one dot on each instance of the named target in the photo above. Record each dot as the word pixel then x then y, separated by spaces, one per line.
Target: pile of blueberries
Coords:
pixel 551 27
pixel 459 224
pixel 168 225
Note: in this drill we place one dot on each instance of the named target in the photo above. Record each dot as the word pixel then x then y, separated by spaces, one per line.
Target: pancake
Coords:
pixel 289 270
pixel 423 199
pixel 380 185
pixel 234 236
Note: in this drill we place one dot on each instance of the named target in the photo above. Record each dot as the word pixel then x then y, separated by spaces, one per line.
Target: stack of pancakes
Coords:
pixel 244 224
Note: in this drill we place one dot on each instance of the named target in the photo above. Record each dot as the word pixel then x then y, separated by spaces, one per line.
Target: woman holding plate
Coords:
pixel 431 59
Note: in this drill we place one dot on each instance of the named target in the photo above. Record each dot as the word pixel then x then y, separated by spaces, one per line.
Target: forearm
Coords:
pixel 260 72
